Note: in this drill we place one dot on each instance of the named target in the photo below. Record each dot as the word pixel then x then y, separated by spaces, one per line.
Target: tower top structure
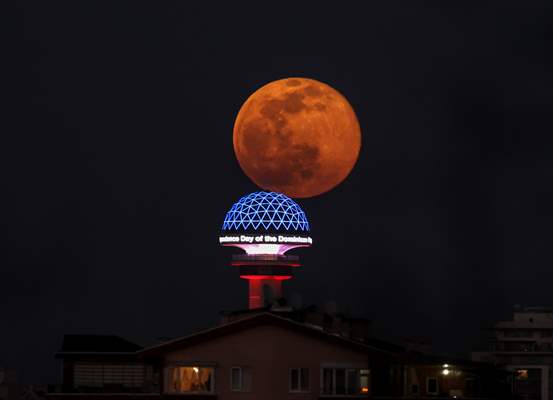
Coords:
pixel 267 211
pixel 265 225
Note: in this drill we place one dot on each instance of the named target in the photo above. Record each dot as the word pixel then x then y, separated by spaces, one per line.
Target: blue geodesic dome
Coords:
pixel 266 210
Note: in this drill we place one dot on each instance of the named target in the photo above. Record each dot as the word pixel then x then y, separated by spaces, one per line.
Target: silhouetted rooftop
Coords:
pixel 97 344
pixel 438 359
pixel 262 318
pixel 300 316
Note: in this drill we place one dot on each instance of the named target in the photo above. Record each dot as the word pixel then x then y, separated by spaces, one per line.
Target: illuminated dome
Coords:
pixel 268 211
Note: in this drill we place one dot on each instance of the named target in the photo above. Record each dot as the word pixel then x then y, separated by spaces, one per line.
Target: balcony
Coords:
pixel 240 260
pixel 264 257
pixel 523 347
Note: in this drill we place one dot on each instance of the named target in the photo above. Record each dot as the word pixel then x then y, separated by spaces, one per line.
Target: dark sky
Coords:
pixel 118 168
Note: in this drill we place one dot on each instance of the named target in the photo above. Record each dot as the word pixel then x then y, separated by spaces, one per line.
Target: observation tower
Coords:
pixel 265 225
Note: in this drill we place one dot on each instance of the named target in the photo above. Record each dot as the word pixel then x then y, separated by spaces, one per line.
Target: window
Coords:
pixel 327 386
pixel 299 380
pixel 470 386
pixel 364 380
pixel 240 379
pixel 236 379
pixel 517 346
pixel 431 386
pixel 518 334
pixel 101 375
pixel 348 381
pixel 521 374
pixel 340 379
pixel 189 379
pixel 415 389
pixel 352 381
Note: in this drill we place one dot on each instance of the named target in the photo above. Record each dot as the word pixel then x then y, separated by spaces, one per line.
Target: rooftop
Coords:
pixel 262 318
pixel 81 344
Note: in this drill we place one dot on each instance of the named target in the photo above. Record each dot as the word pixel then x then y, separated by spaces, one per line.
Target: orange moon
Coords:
pixel 297 136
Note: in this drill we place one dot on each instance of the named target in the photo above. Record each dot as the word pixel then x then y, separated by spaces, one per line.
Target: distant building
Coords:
pixel 430 376
pixel 9 388
pixel 524 346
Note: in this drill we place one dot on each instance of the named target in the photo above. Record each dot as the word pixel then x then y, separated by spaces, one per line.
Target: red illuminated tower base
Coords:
pixel 265 273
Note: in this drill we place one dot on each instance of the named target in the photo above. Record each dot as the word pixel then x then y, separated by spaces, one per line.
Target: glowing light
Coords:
pixel 265 244
pixel 255 249
pixel 521 374
pixel 267 210
pixel 195 369
pixel 266 277
pixel 265 239
pixel 446 372
pixel 445 366
pixel 364 390
pixel 262 249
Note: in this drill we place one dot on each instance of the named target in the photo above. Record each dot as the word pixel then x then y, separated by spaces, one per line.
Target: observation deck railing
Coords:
pixel 265 257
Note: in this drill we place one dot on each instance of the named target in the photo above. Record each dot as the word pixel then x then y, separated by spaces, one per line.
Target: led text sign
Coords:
pixel 276 239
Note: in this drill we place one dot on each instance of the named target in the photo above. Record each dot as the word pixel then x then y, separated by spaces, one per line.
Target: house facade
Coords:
pixel 267 355
pixel 263 356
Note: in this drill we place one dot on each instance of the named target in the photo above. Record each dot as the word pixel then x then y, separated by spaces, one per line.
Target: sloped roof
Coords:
pixel 101 344
pixel 264 318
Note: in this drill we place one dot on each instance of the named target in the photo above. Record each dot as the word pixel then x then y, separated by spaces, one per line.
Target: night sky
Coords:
pixel 118 168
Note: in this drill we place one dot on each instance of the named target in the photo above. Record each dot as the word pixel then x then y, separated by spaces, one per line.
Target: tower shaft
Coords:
pixel 263 292
pixel 265 273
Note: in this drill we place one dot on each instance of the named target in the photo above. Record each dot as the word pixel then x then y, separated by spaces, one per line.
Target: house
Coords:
pixel 270 353
pixel 263 355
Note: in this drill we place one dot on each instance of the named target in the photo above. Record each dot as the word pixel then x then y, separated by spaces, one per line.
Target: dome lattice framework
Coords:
pixel 268 210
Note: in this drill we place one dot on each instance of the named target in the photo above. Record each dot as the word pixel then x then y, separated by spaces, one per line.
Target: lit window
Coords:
pixel 190 379
pixel 241 379
pixel 299 380
pixel 364 381
pixel 521 374
pixel 347 381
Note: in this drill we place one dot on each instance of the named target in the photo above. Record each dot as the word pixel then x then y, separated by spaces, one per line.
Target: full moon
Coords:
pixel 297 136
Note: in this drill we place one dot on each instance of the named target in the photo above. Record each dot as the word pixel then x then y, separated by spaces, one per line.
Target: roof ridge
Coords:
pixel 274 317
